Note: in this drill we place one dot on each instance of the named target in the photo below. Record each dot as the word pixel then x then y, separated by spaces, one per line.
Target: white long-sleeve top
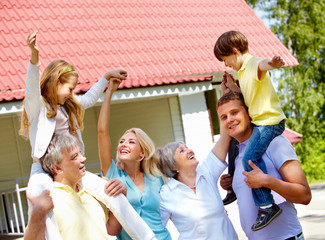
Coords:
pixel 200 215
pixel 41 127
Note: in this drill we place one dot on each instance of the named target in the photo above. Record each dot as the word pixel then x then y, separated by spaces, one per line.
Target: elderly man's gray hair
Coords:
pixel 59 144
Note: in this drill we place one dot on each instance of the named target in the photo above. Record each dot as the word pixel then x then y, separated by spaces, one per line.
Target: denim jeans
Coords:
pixel 256 147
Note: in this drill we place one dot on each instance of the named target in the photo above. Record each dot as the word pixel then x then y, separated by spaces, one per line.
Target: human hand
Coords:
pixel 32 42
pixel 226 181
pixel 114 187
pixel 276 62
pixel 114 83
pixel 224 88
pixel 33 45
pixel 255 178
pixel 43 203
pixel 230 82
pixel 119 74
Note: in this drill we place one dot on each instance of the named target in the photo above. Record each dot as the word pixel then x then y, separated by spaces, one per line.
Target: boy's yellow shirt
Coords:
pixel 260 97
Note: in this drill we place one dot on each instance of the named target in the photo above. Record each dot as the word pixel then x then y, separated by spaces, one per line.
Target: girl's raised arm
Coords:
pixel 33 45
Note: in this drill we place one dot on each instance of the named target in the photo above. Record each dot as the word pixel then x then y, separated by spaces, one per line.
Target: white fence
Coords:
pixel 14 209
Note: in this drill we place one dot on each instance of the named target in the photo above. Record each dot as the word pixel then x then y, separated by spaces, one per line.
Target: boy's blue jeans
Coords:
pixel 256 147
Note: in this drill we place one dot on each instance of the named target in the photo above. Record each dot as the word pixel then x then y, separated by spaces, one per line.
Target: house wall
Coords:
pixel 15 157
pixel 196 122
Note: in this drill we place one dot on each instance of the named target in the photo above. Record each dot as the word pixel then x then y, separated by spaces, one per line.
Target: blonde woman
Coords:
pixel 135 166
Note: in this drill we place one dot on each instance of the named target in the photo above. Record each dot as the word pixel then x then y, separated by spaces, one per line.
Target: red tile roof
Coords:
pixel 156 41
pixel 292 136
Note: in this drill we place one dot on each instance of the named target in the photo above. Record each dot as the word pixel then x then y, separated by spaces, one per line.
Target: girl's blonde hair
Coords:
pixel 58 71
pixel 149 163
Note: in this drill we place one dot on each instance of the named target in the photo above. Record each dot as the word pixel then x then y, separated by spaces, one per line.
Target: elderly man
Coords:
pixel 285 176
pixel 79 214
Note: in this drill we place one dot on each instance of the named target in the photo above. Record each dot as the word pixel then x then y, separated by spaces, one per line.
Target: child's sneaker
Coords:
pixel 231 197
pixel 266 216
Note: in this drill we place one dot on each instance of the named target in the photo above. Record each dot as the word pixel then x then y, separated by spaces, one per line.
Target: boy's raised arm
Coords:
pixel 270 64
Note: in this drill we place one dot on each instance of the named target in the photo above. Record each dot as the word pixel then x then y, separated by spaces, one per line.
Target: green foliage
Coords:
pixel 314 165
pixel 300 26
pixel 252 2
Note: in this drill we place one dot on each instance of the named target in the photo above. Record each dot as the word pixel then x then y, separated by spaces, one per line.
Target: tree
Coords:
pixel 300 26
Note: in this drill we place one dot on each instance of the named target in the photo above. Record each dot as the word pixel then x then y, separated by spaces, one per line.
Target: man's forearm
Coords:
pixel 36 227
pixel 293 192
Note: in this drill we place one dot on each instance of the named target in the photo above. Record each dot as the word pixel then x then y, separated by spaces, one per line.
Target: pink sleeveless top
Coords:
pixel 62 123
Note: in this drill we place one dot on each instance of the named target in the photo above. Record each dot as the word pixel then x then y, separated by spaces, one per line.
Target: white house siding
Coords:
pixel 176 118
pixel 196 124
pixel 15 159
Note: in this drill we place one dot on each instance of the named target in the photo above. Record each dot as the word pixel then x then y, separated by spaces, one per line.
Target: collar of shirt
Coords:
pixel 68 188
pixel 242 146
pixel 246 59
pixel 173 183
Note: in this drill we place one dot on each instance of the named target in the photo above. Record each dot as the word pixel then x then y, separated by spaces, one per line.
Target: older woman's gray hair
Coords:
pixel 165 158
pixel 59 144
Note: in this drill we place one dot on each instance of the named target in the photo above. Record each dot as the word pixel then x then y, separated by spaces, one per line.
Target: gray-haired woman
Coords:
pixel 191 198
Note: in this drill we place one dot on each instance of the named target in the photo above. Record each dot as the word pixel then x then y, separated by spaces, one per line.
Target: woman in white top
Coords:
pixel 191 198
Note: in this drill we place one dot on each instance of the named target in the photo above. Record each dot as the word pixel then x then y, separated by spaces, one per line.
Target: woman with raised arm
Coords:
pixel 191 198
pixel 136 167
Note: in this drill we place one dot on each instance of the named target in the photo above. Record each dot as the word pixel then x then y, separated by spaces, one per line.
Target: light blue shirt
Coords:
pixel 287 223
pixel 146 203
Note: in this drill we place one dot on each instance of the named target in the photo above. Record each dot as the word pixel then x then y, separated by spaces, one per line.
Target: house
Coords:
pixel 166 47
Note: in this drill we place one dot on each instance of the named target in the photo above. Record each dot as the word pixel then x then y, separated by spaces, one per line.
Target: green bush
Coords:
pixel 314 164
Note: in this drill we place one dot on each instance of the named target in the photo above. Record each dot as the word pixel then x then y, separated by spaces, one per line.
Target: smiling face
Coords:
pixel 65 90
pixel 72 167
pixel 235 119
pixel 129 148
pixel 185 158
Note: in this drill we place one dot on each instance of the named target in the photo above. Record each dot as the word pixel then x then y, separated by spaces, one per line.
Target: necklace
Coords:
pixel 192 187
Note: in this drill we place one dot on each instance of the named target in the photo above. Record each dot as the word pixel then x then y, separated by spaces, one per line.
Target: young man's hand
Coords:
pixel 225 181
